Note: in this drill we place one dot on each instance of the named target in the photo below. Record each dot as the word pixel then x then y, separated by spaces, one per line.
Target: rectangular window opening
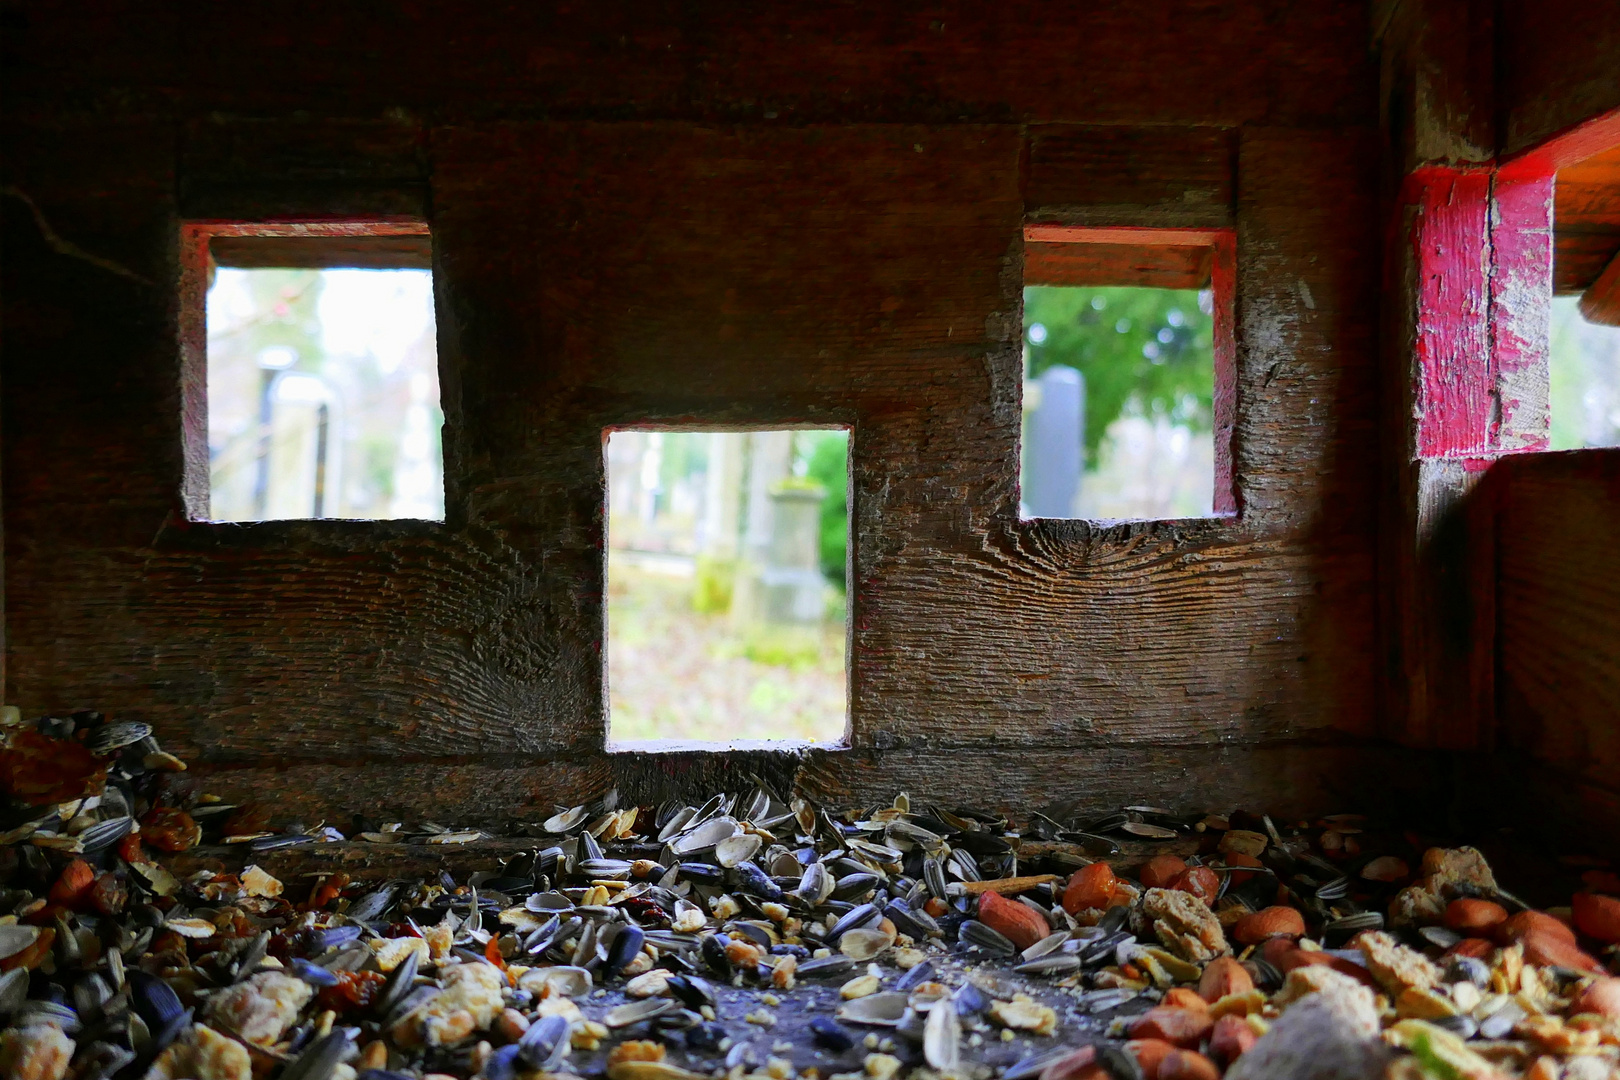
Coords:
pixel 1584 348
pixel 1127 352
pixel 312 373
pixel 727 587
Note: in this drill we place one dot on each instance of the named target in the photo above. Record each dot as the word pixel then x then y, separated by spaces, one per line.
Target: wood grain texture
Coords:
pixel 622 236
pixel 363 252
pixel 1451 347
pixel 1556 67
pixel 1586 217
pixel 1600 303
pixel 1559 614
pixel 1437 125
pixel 1300 778
pixel 1521 276
pixel 1180 267
pixel 1089 174
pixel 1111 62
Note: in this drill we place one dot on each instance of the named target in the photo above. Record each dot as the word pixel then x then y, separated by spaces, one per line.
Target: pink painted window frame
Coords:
pixel 1222 244
pixel 196 265
pixel 1482 242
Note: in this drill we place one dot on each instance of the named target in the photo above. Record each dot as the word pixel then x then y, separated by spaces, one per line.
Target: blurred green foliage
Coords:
pixel 714 584
pixel 826 456
pixel 1153 345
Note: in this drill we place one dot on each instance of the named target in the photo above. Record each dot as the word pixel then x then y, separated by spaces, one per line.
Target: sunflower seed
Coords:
pixel 826 967
pixel 637 1012
pixel 979 936
pixel 865 915
pixel 14 939
pixel 104 834
pixel 545 1044
pixel 565 822
pixel 1149 832
pixel 109 737
pixel 942 1038
pixel 322 1058
pixel 735 850
pixel 883 1010
pixel 1058 964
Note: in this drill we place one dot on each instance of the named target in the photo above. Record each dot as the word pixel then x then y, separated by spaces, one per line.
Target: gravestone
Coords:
pixel 1052 448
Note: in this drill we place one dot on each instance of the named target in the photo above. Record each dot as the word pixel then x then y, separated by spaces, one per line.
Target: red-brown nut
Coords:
pixel 1477 917
pixel 1478 948
pixel 1274 949
pixel 1519 926
pixel 1019 923
pixel 1080 1065
pixel 1187 1065
pixel 168 828
pixel 1175 1025
pixel 1161 871
pixel 1547 949
pixel 1237 858
pixel 1200 881
pixel 1597 916
pixel 1230 1039
pixel 1268 923
pixel 1307 957
pixel 1222 976
pixel 110 894
pixel 1185 998
pixel 1149 1054
pixel 1090 887
pixel 72 888
pixel 33 955
pixel 1602 998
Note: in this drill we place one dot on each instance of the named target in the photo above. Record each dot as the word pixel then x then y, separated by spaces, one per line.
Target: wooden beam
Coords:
pixel 413 252
pixel 1146 235
pixel 1600 303
pixel 1586 219
pixel 1145 265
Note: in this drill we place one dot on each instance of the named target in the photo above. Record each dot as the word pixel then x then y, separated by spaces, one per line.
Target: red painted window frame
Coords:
pixel 1222 245
pixel 1482 245
pixel 196 271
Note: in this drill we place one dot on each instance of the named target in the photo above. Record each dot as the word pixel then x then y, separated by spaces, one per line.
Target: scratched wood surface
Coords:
pixel 1556 67
pixel 1111 62
pixel 622 234
pixel 1586 220
pixel 1559 619
pixel 1178 267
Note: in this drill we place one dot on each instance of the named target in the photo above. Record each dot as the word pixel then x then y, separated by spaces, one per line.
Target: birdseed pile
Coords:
pixel 761 936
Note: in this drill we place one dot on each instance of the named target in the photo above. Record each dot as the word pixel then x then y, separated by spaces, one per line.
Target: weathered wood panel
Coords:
pixel 1181 267
pixel 1116 61
pixel 1303 778
pixel 621 235
pixel 1586 217
pixel 1092 174
pixel 1556 67
pixel 1559 618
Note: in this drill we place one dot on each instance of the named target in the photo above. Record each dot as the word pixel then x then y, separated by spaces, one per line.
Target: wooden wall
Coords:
pixel 707 212
pixel 1558 634
pixel 1556 68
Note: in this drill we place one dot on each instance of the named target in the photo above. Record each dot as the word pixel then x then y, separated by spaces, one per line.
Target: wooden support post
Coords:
pixel 1467 284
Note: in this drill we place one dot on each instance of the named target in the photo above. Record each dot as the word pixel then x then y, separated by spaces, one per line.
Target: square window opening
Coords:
pixel 728 609
pixel 1127 352
pixel 1583 358
pixel 312 386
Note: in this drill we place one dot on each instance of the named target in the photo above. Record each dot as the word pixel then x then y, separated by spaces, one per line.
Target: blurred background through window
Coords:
pixel 323 395
pixel 726 585
pixel 1119 389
